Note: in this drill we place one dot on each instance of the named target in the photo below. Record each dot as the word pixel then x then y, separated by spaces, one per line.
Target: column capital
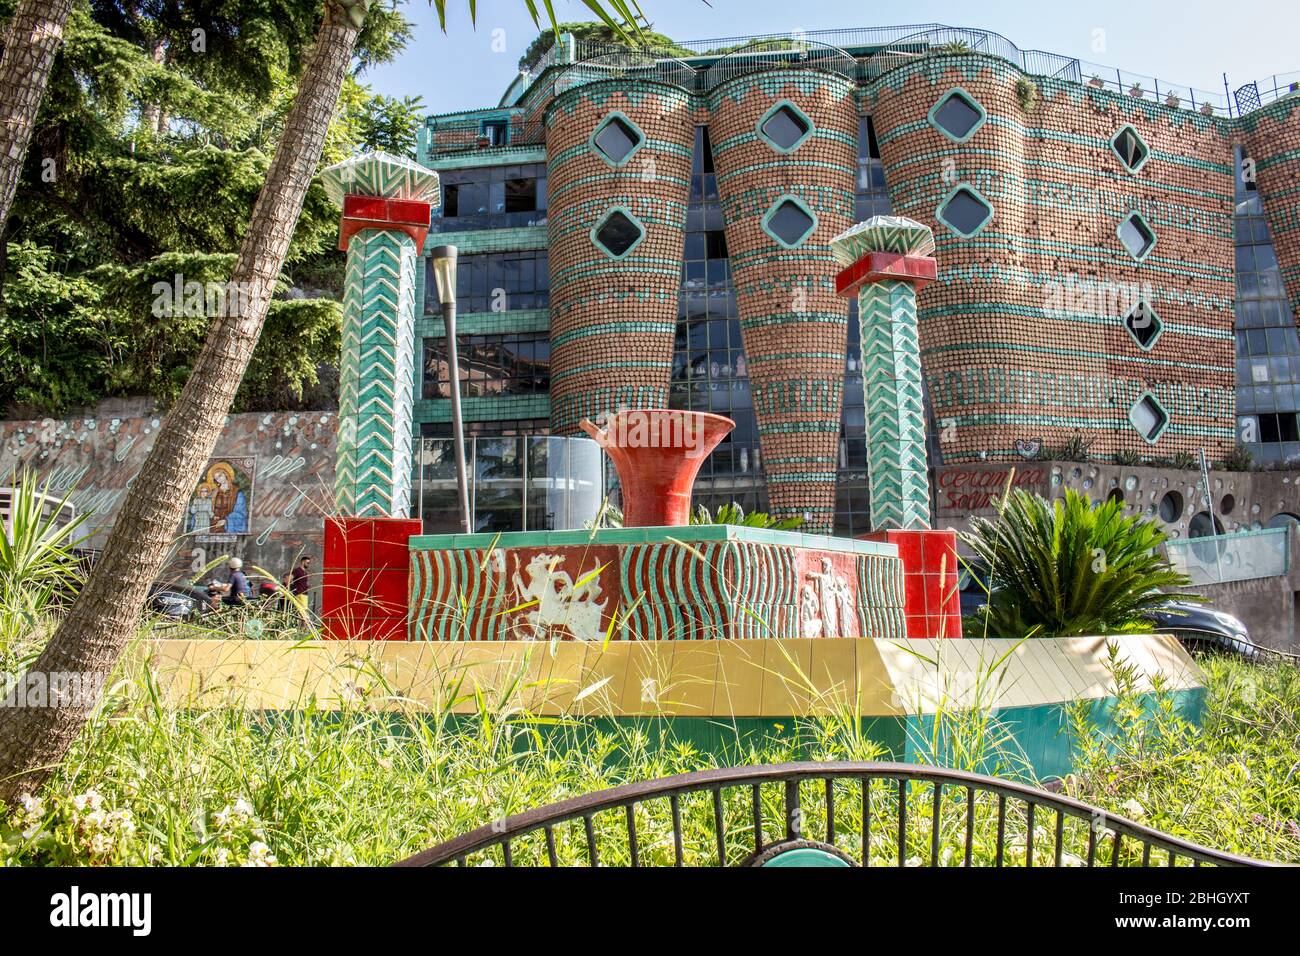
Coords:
pixel 884 247
pixel 378 190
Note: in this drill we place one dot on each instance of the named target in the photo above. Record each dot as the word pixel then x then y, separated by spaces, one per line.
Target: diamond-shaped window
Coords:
pixel 1130 149
pixel 616 139
pixel 789 222
pixel 1144 325
pixel 1148 417
pixel 618 233
pixel 964 211
pixel 1136 236
pixel 785 126
pixel 957 115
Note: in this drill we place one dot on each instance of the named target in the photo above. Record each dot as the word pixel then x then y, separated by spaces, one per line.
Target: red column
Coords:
pixel 365 586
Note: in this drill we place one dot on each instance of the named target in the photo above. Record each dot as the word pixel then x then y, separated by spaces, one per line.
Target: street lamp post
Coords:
pixel 444 273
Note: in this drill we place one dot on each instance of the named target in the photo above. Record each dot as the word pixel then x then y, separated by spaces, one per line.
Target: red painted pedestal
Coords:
pixel 932 602
pixel 364 586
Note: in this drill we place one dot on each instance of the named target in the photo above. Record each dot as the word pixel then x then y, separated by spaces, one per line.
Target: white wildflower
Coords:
pixel 243 811
pixel 259 854
pixel 1133 810
pixel 88 800
pixel 31 810
pixel 101 844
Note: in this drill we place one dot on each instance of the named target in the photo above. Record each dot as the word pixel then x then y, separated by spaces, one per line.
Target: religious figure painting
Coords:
pixel 222 500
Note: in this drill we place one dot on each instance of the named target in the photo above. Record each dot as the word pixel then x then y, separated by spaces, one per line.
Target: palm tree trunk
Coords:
pixel 33 36
pixel 89 640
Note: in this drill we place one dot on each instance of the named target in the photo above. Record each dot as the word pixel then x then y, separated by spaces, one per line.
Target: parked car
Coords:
pixel 1201 627
pixel 1197 626
pixel 180 601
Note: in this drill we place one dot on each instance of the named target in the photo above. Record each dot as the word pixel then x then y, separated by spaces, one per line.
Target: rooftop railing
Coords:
pixel 889 46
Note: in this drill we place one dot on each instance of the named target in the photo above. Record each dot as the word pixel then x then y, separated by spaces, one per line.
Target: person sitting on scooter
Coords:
pixel 236 590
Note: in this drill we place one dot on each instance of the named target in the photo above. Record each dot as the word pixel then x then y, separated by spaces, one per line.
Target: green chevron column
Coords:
pixel 886 259
pixel 386 203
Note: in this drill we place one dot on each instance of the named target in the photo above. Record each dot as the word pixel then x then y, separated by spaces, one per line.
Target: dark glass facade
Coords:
pixel 512 364
pixel 492 197
pixel 1268 348
pixel 495 282
pixel 709 366
pixel 709 370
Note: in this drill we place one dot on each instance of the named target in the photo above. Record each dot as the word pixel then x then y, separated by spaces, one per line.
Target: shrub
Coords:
pixel 1066 568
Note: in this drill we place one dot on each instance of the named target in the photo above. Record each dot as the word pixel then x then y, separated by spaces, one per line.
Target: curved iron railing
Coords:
pixel 786 52
pixel 623 63
pixel 899 38
pixel 908 814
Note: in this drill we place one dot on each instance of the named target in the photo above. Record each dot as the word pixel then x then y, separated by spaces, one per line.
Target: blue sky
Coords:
pixel 1192 42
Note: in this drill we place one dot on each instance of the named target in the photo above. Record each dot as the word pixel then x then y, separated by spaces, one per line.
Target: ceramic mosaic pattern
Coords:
pixel 655 590
pixel 380 174
pixel 376 376
pixel 794 326
pixel 613 320
pixel 1022 336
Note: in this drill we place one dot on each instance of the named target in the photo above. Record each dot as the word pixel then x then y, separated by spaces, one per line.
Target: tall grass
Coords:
pixel 383 777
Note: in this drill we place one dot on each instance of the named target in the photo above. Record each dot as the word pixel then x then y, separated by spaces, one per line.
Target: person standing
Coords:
pixel 300 579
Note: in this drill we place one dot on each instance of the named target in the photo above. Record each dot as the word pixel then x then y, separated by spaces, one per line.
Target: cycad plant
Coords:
pixel 732 513
pixel 1065 568
pixel 37 559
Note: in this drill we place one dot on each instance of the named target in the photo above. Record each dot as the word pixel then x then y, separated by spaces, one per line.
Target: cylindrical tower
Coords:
pixel 619 157
pixel 785 147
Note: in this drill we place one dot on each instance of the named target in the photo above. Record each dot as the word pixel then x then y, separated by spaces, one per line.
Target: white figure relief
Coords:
pixel 810 624
pixel 559 604
pixel 834 601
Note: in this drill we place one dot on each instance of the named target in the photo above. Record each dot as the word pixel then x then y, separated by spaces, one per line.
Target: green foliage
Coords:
pixel 1066 568
pixel 37 563
pixel 733 513
pixel 1027 94
pixel 152 144
pixel 594 31
pixel 1239 459
pixel 55 347
pixel 390 124
pixel 1075 448
pixel 1230 784
pixel 382 777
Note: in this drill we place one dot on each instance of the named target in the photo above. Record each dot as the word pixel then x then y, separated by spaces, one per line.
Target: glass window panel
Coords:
pixel 790 223
pixel 965 212
pixel 1135 235
pixel 957 116
pixel 618 233
pixel 785 127
pixel 616 139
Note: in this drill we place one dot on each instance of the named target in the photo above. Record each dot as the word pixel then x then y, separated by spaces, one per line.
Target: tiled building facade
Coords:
pixel 1112 270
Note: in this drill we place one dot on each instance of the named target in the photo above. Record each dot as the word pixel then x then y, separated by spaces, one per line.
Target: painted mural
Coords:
pixel 219 508
pixel 263 495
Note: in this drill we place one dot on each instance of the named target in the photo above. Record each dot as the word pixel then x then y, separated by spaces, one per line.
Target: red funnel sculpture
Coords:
pixel 658 453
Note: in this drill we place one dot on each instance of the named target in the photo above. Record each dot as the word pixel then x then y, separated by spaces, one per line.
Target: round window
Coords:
pixel 1171 507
